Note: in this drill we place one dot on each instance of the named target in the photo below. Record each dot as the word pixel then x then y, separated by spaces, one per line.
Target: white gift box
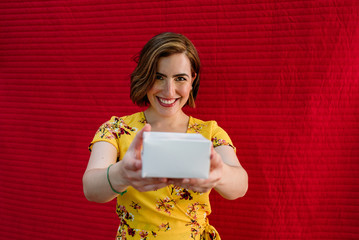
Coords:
pixel 175 155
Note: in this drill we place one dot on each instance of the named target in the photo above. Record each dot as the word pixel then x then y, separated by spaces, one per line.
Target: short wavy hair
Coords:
pixel 162 45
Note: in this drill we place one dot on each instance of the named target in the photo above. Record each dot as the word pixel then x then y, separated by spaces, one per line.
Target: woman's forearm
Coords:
pixel 234 183
pixel 96 186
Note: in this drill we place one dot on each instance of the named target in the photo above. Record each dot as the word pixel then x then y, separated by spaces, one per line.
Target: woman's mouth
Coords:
pixel 167 102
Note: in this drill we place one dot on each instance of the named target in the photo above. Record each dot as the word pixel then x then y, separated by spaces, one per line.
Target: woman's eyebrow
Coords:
pixel 176 75
pixel 163 75
pixel 181 74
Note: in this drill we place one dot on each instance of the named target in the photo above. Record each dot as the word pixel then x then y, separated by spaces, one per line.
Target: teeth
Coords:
pixel 167 101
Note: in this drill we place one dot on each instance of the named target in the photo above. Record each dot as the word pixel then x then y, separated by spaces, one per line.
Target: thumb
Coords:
pixel 136 145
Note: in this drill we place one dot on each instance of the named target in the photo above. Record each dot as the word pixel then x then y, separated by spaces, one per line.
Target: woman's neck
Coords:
pixel 175 123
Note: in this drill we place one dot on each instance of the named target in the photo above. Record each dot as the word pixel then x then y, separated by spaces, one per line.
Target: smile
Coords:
pixel 167 102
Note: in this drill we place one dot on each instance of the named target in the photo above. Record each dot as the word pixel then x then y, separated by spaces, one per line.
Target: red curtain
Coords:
pixel 281 77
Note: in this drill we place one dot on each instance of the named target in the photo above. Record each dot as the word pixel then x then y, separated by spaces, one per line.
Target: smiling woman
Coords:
pixel 165 79
pixel 171 88
pixel 160 46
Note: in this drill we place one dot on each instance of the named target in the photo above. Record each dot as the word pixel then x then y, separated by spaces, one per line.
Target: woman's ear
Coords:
pixel 194 75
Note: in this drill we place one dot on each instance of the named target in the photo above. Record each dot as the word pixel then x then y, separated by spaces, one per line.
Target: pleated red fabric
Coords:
pixel 281 77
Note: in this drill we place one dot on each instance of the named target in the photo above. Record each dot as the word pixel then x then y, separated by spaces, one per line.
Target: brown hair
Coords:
pixel 162 45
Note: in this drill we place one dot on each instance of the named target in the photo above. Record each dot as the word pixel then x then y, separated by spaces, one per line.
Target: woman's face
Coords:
pixel 172 85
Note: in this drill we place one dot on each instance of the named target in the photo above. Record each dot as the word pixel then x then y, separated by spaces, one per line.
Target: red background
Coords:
pixel 281 77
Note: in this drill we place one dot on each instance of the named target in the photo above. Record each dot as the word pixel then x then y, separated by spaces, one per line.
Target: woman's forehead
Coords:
pixel 175 62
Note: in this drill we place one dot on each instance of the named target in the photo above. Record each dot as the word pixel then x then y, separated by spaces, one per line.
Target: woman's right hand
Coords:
pixel 128 171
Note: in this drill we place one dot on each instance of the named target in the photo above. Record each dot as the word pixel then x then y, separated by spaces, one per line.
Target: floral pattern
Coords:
pixel 143 120
pixel 125 219
pixel 124 216
pixel 195 228
pixel 116 128
pixel 193 209
pixel 181 192
pixel 143 234
pixel 196 127
pixel 165 206
pixel 211 234
pixel 164 227
pixel 135 206
pixel 219 142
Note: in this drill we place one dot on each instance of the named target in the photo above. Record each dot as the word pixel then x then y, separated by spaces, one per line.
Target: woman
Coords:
pixel 166 79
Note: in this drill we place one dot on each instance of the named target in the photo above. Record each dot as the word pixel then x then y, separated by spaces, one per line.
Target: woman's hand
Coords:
pixel 204 185
pixel 129 170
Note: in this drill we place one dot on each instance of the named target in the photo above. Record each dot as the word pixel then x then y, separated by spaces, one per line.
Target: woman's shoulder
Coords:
pixel 126 123
pixel 210 130
pixel 118 128
pixel 138 117
pixel 203 127
pixel 207 124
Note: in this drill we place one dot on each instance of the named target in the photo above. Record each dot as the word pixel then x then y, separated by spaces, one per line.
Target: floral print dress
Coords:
pixel 168 213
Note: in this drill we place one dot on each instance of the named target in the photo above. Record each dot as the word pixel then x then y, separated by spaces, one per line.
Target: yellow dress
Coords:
pixel 171 212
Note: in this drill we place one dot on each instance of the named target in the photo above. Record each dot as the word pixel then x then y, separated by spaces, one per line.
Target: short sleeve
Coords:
pixel 110 131
pixel 220 137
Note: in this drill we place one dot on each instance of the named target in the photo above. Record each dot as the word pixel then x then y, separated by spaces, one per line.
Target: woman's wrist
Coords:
pixel 115 179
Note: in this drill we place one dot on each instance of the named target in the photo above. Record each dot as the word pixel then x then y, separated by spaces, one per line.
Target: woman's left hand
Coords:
pixel 203 185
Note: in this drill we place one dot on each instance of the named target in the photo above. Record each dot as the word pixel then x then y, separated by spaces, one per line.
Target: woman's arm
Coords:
pixel 122 174
pixel 95 184
pixel 234 181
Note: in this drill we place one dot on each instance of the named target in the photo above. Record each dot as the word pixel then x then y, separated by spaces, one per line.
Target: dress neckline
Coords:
pixel 188 124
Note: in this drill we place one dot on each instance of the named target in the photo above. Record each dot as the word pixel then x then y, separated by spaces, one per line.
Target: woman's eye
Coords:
pixel 159 77
pixel 181 79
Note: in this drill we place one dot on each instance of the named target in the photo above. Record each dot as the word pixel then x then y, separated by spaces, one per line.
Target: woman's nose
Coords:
pixel 170 88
